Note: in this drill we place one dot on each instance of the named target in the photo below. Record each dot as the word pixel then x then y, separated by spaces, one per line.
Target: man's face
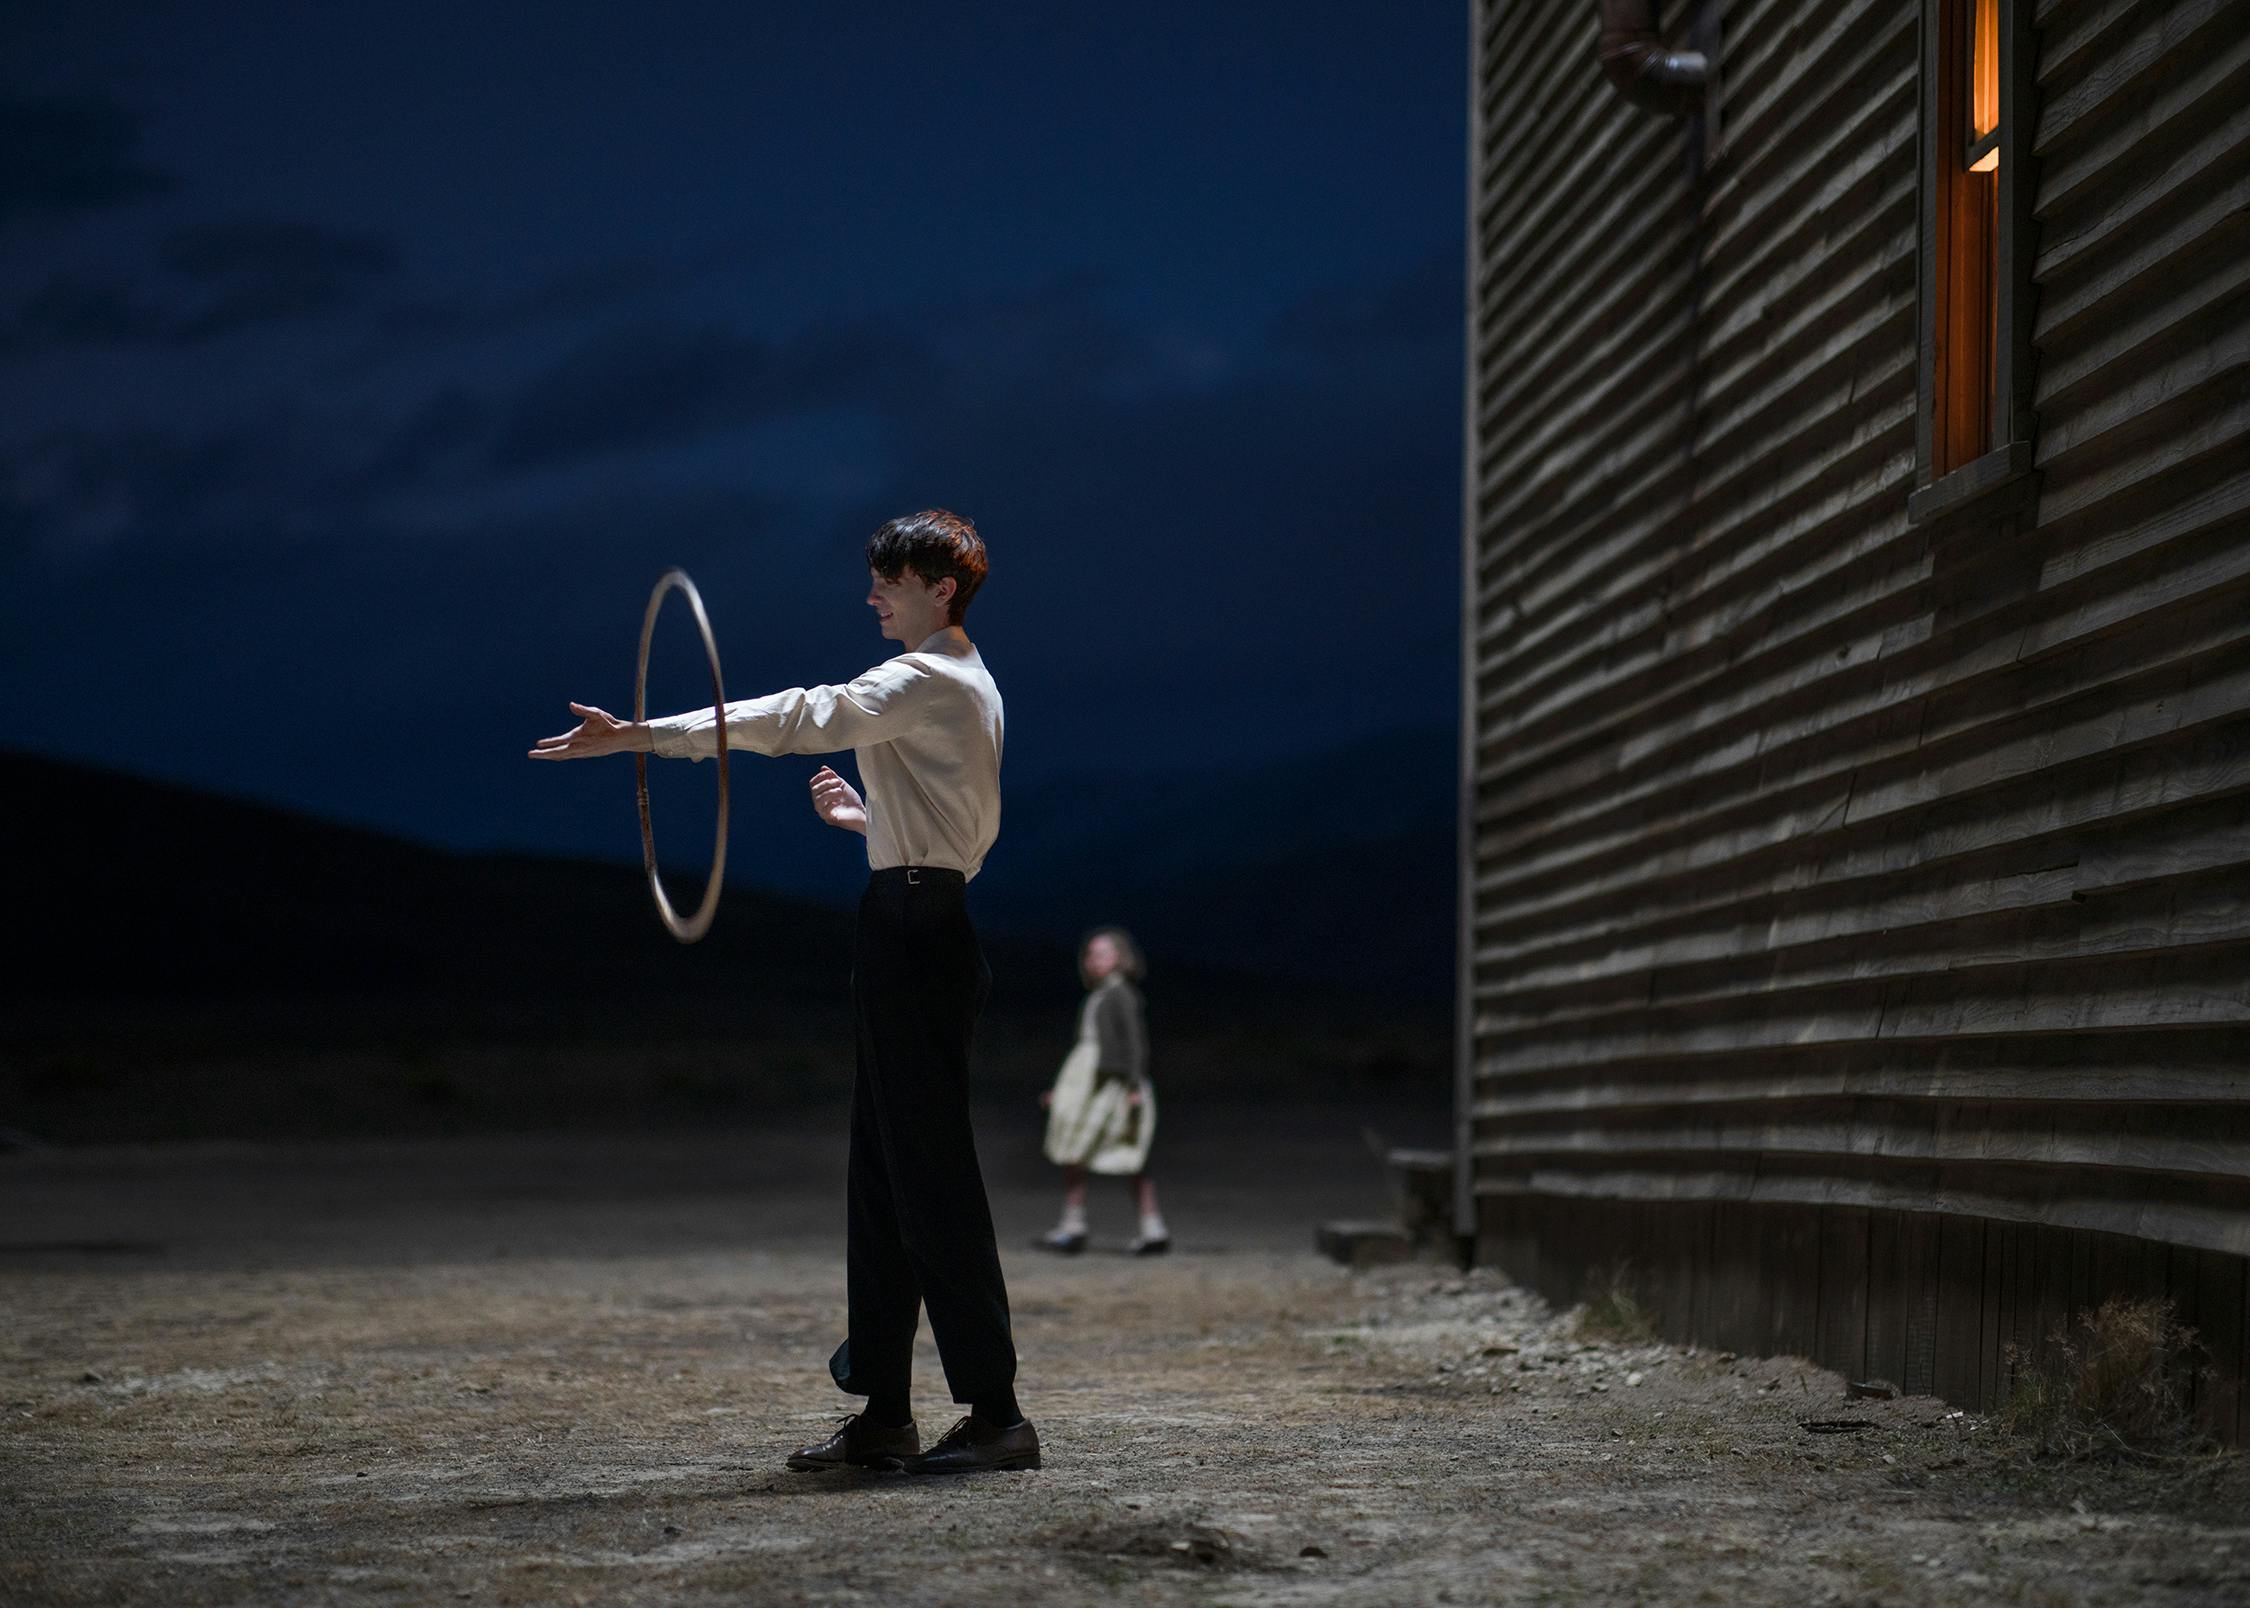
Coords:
pixel 908 608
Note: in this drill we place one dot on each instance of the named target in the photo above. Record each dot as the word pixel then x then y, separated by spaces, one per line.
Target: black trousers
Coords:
pixel 920 1228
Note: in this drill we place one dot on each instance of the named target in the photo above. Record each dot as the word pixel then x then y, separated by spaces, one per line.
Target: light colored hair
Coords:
pixel 1129 961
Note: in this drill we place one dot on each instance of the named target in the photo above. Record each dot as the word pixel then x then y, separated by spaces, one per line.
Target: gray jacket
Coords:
pixel 1123 1029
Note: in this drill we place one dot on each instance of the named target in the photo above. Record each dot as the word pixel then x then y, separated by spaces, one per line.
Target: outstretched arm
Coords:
pixel 598 732
pixel 884 703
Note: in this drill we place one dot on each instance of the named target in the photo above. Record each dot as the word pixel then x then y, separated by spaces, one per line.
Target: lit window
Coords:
pixel 1968 265
pixel 1973 439
pixel 1984 90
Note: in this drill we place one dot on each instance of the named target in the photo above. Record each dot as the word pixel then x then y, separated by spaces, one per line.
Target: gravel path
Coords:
pixel 565 1370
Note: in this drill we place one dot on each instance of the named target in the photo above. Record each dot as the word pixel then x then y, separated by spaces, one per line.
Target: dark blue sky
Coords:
pixel 361 368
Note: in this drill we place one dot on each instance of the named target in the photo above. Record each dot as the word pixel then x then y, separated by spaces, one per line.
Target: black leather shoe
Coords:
pixel 858 1444
pixel 1067 1243
pixel 1152 1247
pixel 973 1445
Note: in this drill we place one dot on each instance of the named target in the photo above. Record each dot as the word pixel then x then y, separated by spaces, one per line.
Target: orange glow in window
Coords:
pixel 1984 72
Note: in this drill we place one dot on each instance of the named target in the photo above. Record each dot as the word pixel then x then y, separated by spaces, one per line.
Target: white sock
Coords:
pixel 1073 1220
pixel 1152 1226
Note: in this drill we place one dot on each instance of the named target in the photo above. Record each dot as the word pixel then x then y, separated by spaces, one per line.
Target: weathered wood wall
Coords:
pixel 1857 913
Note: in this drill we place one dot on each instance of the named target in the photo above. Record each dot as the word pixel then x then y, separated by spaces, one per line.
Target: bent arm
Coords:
pixel 885 703
pixel 1124 1036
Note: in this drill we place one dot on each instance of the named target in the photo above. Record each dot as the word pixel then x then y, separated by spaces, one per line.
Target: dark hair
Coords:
pixel 1129 962
pixel 936 546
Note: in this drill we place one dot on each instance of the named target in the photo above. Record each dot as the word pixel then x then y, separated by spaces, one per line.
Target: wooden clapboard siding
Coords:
pixel 1855 911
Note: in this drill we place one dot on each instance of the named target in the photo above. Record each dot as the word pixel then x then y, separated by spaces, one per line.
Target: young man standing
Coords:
pixel 925 728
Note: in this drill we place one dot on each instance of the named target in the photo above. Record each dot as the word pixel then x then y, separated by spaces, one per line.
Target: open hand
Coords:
pixel 835 801
pixel 599 732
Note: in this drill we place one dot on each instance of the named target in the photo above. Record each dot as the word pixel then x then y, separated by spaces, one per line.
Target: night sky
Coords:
pixel 362 367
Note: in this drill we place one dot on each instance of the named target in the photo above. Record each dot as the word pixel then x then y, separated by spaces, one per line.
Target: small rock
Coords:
pixel 89 1377
pixel 671 1529
pixel 1205 1544
pixel 1311 1552
pixel 1635 1377
pixel 1363 1244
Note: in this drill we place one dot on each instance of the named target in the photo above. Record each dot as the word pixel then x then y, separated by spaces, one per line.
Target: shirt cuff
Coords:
pixel 668 738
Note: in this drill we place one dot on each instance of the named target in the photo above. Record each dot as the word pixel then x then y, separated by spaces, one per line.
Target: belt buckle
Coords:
pixel 914 876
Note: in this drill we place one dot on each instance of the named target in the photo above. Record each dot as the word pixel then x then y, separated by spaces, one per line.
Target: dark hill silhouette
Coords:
pixel 1335 869
pixel 131 888
pixel 188 965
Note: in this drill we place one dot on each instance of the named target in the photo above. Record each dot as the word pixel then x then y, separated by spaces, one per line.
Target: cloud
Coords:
pixel 254 271
pixel 212 280
pixel 1052 404
pixel 85 310
pixel 61 155
pixel 1420 306
pixel 440 442
pixel 405 321
pixel 1219 538
pixel 653 384
pixel 79 492
pixel 215 278
pixel 1246 518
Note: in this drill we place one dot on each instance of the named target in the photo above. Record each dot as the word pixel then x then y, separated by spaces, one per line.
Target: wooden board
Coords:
pixel 1855 911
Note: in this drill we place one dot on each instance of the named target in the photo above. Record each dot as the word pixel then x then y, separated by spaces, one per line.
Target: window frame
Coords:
pixel 2007 460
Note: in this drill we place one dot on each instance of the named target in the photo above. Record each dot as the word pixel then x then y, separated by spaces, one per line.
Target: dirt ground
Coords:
pixel 566 1369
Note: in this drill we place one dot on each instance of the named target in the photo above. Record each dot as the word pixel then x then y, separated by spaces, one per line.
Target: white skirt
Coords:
pixel 1091 1123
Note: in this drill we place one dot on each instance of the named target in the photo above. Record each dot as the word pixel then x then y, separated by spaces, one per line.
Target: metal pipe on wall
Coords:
pixel 1644 69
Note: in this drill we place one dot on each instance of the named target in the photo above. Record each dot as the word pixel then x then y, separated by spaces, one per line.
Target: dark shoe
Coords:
pixel 973 1445
pixel 1152 1247
pixel 1057 1240
pixel 858 1444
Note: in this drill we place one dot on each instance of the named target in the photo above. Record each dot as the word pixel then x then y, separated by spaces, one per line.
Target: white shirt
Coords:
pixel 924 727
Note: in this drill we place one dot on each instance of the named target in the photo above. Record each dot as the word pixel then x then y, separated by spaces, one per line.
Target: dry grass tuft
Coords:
pixel 1612 1310
pixel 2117 1389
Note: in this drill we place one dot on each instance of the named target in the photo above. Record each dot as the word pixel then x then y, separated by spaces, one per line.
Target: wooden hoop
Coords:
pixel 697 925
